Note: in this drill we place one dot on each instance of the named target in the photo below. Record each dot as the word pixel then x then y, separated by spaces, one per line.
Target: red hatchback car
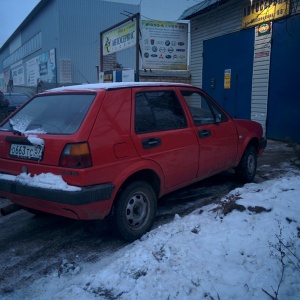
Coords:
pixel 111 150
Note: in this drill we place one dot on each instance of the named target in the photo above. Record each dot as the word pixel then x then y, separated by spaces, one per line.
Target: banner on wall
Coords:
pixel 4 80
pixel 18 76
pixel 2 86
pixel 41 68
pixel 257 11
pixel 164 45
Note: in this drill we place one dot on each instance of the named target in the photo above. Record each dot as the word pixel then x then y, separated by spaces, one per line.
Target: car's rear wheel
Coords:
pixel 135 209
pixel 246 170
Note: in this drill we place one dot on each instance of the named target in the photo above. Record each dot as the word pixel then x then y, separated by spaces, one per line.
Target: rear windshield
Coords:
pixel 51 114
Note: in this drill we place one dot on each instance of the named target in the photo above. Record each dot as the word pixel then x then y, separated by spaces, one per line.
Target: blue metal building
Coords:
pixel 59 43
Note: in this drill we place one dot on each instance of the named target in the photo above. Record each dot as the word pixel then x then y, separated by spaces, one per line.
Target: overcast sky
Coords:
pixel 13 12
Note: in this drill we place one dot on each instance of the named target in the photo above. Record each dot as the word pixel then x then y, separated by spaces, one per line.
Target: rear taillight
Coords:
pixel 76 156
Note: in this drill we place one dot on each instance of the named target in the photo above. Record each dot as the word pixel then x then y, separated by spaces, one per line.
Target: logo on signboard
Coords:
pixel 264 28
pixel 107 44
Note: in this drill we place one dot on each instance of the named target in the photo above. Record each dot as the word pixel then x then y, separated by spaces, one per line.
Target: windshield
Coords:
pixel 52 114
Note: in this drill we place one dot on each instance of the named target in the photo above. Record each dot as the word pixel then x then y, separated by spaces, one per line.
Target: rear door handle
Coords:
pixel 204 133
pixel 151 143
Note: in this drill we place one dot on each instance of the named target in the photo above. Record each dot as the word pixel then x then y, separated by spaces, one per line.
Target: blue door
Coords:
pixel 234 53
pixel 283 120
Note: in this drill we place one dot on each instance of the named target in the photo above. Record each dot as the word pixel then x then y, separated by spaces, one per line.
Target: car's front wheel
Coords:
pixel 246 169
pixel 135 209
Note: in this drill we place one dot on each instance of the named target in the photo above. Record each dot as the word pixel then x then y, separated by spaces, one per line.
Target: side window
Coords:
pixel 158 111
pixel 202 109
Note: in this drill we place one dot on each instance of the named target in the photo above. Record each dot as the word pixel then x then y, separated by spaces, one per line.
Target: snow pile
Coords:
pixel 34 140
pixel 46 180
pixel 43 180
pixel 241 254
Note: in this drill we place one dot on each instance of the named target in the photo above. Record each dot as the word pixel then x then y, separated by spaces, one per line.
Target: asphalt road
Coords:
pixel 32 246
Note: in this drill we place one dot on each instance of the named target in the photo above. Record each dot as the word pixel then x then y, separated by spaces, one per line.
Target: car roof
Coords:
pixel 115 85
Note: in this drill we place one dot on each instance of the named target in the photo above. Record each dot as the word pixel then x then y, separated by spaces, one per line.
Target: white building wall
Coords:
pixel 260 79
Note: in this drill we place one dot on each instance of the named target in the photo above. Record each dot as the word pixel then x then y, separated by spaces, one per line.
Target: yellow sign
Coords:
pixel 120 38
pixel 258 11
pixel 227 78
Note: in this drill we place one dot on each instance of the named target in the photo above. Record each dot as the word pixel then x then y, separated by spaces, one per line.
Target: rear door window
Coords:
pixel 52 114
pixel 158 111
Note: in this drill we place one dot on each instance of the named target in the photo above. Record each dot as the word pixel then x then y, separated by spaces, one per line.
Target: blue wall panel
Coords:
pixel 235 52
pixel 283 122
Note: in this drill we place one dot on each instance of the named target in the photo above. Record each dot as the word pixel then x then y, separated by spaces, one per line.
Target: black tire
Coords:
pixel 134 211
pixel 246 170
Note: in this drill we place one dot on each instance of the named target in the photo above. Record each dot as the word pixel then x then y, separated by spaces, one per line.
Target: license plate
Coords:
pixel 34 152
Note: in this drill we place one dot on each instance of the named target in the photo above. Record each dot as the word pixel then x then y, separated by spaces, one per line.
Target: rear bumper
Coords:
pixel 88 203
pixel 86 195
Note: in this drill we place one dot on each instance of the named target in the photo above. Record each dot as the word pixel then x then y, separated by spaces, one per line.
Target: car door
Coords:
pixel 161 134
pixel 216 132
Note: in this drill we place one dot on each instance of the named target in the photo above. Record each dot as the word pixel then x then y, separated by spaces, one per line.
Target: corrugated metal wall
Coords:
pixel 80 23
pixel 261 75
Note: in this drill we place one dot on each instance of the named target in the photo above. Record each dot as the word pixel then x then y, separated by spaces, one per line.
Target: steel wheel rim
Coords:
pixel 137 210
pixel 251 164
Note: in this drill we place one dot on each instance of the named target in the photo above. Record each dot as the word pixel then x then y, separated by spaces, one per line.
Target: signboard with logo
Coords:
pixel 120 38
pixel 257 11
pixel 263 29
pixel 164 45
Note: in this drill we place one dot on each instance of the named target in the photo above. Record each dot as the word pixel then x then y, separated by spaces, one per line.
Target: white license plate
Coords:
pixel 34 152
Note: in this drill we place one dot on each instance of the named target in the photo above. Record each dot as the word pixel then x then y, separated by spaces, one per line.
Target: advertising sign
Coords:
pixel 117 76
pixel 227 78
pixel 18 76
pixel 42 68
pixel 257 11
pixel 120 38
pixel 164 45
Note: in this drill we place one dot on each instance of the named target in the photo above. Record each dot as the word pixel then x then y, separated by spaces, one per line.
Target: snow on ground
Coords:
pixel 242 254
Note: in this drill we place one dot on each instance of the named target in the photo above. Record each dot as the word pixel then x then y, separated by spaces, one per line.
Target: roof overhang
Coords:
pixel 201 8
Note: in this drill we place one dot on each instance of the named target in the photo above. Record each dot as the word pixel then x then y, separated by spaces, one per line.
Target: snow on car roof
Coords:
pixel 113 85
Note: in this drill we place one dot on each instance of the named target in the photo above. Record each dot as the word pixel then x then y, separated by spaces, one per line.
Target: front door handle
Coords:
pixel 204 133
pixel 151 143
